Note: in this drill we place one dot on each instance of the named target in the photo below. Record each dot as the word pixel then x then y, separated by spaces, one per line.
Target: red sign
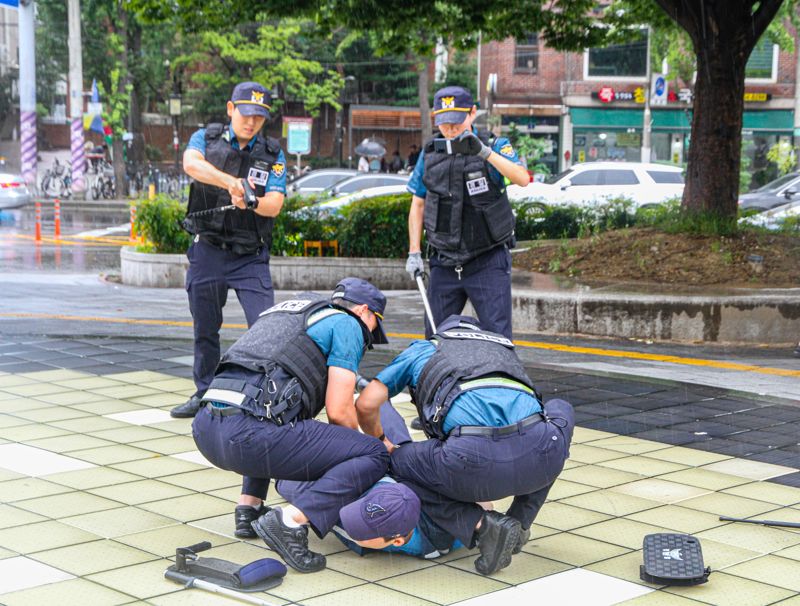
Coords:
pixel 606 94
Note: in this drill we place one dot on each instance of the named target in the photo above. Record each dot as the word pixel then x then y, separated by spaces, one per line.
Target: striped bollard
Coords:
pixel 133 222
pixel 57 218
pixel 38 236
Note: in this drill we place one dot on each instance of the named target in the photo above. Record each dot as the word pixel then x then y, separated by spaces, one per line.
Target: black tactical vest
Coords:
pixel 461 356
pixel 277 346
pixel 242 231
pixel 466 212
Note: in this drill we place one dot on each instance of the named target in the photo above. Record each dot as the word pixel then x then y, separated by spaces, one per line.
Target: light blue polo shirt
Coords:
pixel 340 339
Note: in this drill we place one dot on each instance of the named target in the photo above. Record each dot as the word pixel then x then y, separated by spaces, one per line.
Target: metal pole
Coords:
pixel 350 136
pixel 76 99
pixel 428 312
pixel 647 117
pixel 27 91
pixel 797 94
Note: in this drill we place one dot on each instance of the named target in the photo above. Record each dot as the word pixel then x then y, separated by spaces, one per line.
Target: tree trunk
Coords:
pixel 712 178
pixel 136 148
pixel 119 144
pixel 424 107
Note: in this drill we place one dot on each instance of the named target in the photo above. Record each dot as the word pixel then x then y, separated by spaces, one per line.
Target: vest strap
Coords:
pixel 495 382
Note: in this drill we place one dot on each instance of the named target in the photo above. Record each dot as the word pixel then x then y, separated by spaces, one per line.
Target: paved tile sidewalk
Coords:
pixel 98 486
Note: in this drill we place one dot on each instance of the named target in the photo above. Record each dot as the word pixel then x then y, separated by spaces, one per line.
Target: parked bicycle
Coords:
pixel 57 181
pixel 102 183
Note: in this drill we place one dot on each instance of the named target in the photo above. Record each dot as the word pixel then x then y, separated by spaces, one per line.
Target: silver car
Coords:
pixel 13 191
pixel 318 180
pixel 776 193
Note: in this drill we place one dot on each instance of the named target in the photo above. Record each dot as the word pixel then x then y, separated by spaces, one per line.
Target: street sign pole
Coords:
pixel 298 137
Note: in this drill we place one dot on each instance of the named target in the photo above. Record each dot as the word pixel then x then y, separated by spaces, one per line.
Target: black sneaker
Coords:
pixel 245 516
pixel 416 424
pixel 186 410
pixel 524 537
pixel 290 543
pixel 497 538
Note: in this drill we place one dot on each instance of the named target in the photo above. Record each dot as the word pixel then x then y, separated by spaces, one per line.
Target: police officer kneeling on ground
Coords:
pixel 490 436
pixel 459 197
pixel 300 356
pixel 230 248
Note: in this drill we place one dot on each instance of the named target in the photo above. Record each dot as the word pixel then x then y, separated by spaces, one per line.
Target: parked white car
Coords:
pixel 594 182
pixel 772 219
pixel 373 192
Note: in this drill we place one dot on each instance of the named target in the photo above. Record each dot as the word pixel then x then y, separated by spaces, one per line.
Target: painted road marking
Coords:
pixel 594 351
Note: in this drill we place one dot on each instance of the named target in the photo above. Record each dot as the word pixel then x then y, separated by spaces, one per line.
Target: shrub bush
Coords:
pixel 377 227
pixel 159 221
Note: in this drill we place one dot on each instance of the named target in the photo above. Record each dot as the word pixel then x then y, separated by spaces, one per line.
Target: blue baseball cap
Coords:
pixel 455 321
pixel 361 292
pixel 388 510
pixel 452 105
pixel 251 99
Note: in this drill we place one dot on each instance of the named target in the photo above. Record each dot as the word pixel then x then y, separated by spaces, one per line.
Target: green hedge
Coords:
pixel 159 221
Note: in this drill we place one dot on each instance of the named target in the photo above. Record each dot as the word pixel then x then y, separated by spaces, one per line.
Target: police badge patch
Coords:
pixel 507 150
pixel 278 169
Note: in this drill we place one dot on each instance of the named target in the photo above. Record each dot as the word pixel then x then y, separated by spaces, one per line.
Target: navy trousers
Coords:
pixel 212 271
pixel 485 281
pixel 343 462
pixel 450 476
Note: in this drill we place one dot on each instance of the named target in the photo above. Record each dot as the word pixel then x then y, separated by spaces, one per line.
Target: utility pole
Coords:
pixel 27 91
pixel 646 126
pixel 76 99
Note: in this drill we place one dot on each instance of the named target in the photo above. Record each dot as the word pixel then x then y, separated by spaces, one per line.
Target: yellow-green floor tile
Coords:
pixel 757 538
pixel 196 597
pixel 43 536
pixel 750 470
pixel 164 541
pixel 12 404
pixel 176 426
pixel 661 598
pixel 625 567
pixel 10 421
pixel 139 377
pixel 690 456
pixel 573 549
pixel 232 493
pixel 53 413
pixel 28 488
pixel 125 392
pixel 630 445
pixel 583 435
pixel 583 453
pixel 723 504
pixel 31 431
pixel 189 508
pixel 611 503
pixel 790 552
pixel 131 434
pixel 12 380
pixel 158 466
pixel 679 519
pixel 721 555
pixel 118 522
pixel 89 424
pixel 566 517
pixel 97 556
pixel 367 594
pixel 784 514
pixel 75 592
pixel 375 566
pixel 34 389
pixel 563 489
pixel 159 400
pixel 68 398
pixel 767 491
pixel 107 407
pixel 221 524
pixel 69 442
pixel 795 601
pixel 84 479
pixel 297 586
pixel 69 504
pixel 728 589
pixel 169 445
pixel 524 567
pixel 205 480
pixel 645 466
pixel 781 572
pixel 7 474
pixel 427 584
pixel 109 455
pixel 703 477
pixel 140 580
pixel 53 376
pixel 570 464
pixel 13 516
pixel 660 490
pixel 601 477
pixel 174 384
pixel 6 553
pixel 88 383
pixel 142 491
pixel 627 533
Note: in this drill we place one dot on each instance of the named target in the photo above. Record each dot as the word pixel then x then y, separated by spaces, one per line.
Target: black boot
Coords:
pixel 416 424
pixel 290 543
pixel 524 537
pixel 186 410
pixel 245 516
pixel 497 538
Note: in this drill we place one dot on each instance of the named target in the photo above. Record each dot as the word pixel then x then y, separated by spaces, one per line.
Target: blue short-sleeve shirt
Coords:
pixel 277 176
pixel 501 145
pixel 484 407
pixel 340 339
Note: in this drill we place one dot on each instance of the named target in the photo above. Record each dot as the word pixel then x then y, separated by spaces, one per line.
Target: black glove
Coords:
pixel 468 144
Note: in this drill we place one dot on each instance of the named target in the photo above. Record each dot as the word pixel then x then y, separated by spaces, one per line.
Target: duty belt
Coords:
pixel 493 432
pixel 241 395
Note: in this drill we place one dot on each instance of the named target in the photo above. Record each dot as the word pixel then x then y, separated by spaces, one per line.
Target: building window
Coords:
pixel 763 61
pixel 626 60
pixel 526 54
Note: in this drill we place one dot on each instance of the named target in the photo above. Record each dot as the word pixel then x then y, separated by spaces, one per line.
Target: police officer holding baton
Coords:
pixel 230 247
pixel 459 197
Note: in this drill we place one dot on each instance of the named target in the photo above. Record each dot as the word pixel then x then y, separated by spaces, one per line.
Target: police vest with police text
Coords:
pixel 465 360
pixel 242 231
pixel 279 340
pixel 466 212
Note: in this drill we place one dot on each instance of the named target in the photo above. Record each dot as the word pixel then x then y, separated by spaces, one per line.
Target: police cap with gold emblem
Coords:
pixel 251 99
pixel 452 105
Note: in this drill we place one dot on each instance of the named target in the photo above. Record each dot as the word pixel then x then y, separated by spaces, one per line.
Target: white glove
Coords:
pixel 415 265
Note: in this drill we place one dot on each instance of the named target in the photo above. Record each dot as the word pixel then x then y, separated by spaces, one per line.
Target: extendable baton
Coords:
pixel 421 285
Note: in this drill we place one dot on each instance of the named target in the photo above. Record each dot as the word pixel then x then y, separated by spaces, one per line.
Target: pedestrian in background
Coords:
pixel 363 164
pixel 396 165
pixel 230 249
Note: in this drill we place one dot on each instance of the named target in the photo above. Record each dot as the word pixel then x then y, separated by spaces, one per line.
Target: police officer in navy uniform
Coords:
pixel 230 248
pixel 299 357
pixel 459 197
pixel 490 436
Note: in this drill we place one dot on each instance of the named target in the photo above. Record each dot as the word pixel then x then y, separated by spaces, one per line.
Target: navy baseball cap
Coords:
pixel 361 292
pixel 454 321
pixel 452 105
pixel 251 99
pixel 388 510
